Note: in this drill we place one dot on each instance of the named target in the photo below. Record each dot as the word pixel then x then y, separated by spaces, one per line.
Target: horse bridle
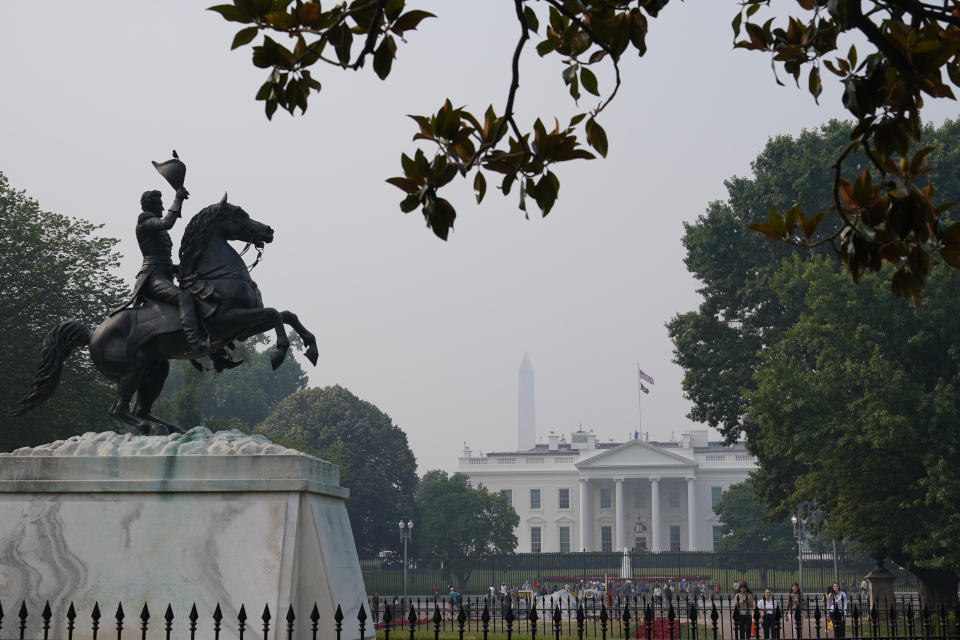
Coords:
pixel 210 275
pixel 259 255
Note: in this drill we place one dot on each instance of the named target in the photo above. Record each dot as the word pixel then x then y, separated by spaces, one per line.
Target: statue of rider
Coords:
pixel 155 279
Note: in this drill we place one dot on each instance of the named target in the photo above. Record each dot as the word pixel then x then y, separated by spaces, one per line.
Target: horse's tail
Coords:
pixel 58 344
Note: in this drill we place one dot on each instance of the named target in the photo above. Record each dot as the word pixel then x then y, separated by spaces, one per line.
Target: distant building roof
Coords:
pixel 567 449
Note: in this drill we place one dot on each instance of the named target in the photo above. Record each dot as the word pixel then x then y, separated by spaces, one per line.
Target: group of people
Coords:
pixel 658 590
pixel 744 604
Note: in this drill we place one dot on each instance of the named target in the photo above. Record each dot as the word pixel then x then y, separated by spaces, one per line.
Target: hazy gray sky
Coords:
pixel 433 333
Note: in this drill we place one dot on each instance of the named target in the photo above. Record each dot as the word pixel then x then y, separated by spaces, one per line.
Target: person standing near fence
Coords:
pixel 837 609
pixel 794 615
pixel 743 605
pixel 768 608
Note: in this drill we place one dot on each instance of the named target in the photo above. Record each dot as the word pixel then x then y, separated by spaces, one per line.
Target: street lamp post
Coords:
pixel 799 529
pixel 406 528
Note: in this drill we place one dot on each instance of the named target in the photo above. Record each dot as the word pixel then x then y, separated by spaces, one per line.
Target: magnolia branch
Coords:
pixel 597 41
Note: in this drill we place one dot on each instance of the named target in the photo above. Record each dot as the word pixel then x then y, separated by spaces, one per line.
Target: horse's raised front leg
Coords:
pixel 309 340
pixel 253 321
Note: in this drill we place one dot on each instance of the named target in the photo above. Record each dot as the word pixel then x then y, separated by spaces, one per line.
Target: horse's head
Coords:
pixel 238 225
pixel 230 221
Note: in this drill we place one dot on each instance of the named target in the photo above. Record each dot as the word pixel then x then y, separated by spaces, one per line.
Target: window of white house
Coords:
pixel 605 497
pixel 641 498
pixel 564 539
pixel 564 498
pixel 509 494
pixel 715 493
pixel 674 538
pixel 534 498
pixel 717 535
pixel 606 538
pixel 536 541
pixel 640 543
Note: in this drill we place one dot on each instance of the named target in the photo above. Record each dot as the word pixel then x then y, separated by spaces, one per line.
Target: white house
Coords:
pixel 593 496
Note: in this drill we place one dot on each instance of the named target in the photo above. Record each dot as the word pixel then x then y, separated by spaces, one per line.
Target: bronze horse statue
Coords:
pixel 133 346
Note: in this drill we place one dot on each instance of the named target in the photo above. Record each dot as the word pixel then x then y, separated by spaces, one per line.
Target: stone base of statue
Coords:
pixel 201 518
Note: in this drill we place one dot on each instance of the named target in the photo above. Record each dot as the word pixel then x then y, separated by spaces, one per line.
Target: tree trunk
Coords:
pixel 936 585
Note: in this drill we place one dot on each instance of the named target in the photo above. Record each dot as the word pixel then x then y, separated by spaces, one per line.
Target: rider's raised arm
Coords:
pixel 166 222
pixel 182 194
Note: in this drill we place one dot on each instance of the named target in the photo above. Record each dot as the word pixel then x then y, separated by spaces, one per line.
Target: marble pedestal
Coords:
pixel 202 518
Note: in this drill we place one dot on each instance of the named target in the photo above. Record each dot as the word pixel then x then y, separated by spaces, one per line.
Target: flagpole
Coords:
pixel 639 400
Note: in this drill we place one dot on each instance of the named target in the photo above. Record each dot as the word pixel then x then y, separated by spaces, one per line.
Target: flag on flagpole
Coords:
pixel 644 389
pixel 644 376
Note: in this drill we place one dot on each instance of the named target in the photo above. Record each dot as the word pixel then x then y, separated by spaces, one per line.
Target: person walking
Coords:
pixel 744 603
pixel 837 609
pixel 768 609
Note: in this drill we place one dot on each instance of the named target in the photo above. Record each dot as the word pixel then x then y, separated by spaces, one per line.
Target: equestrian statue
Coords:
pixel 215 303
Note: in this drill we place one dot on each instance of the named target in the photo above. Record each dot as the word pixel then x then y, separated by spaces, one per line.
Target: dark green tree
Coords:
pixel 909 52
pixel 459 523
pixel 52 268
pixel 719 344
pixel 735 348
pixel 857 410
pixel 747 528
pixel 238 398
pixel 746 525
pixel 375 460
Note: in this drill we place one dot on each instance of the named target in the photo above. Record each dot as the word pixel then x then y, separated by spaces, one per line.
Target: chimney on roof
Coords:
pixel 553 442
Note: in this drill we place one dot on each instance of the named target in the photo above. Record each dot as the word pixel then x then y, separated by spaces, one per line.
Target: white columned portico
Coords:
pixel 655 514
pixel 691 514
pixel 621 543
pixel 585 518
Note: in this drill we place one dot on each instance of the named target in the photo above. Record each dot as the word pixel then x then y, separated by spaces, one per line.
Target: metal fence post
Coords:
pixel 387 619
pixel 71 618
pixel 46 615
pixel 603 620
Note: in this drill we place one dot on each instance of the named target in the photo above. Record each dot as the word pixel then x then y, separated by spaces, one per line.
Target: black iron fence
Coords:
pixel 557 616
pixel 27 626
pixel 717 570
pixel 664 619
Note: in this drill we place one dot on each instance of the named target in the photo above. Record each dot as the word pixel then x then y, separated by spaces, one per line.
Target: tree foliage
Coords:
pixel 375 460
pixel 52 268
pixel 857 410
pixel 718 345
pixel 910 47
pixel 238 398
pixel 461 143
pixel 837 388
pixel 746 524
pixel 459 523
pixel 890 215
pixel 747 527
